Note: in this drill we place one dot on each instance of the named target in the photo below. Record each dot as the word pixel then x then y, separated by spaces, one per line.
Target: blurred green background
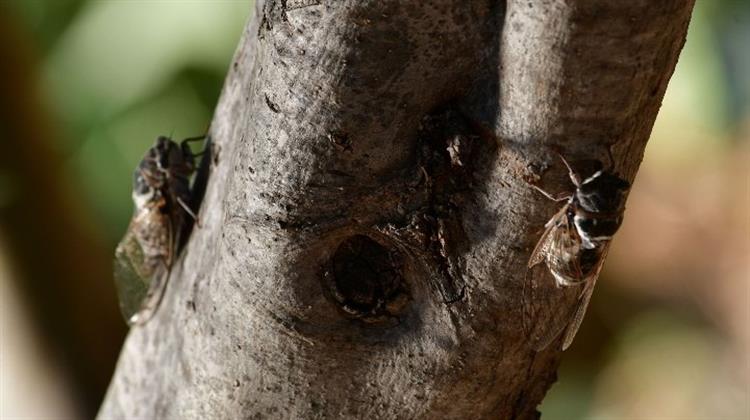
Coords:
pixel 88 85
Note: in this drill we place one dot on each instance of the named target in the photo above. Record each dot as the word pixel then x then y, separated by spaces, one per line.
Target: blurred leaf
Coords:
pixel 664 368
pixel 117 53
pixel 570 397
pixel 46 20
pixel 694 122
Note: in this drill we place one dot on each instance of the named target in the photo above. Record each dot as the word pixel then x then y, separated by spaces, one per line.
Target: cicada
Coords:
pixel 161 217
pixel 575 243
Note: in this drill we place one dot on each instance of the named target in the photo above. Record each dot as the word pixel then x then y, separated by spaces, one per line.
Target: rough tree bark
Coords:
pixel 368 217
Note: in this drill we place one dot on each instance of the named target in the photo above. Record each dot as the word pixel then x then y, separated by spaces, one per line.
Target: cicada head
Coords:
pixel 178 163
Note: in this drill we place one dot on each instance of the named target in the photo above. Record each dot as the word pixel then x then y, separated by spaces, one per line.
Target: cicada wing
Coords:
pixel 158 285
pixel 151 300
pixel 131 280
pixel 583 303
pixel 549 307
pixel 544 242
pixel 552 289
pixel 537 256
pixel 563 256
pixel 141 270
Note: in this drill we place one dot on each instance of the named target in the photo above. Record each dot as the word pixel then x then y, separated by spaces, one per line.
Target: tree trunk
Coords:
pixel 369 215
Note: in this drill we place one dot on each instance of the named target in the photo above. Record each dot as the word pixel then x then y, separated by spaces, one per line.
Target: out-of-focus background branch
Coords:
pixel 86 88
pixel 87 85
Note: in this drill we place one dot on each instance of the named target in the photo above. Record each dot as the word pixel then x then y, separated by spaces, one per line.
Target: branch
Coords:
pixel 368 218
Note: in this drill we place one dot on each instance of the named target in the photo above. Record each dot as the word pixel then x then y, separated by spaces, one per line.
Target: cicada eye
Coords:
pixel 143 194
pixel 163 151
pixel 140 186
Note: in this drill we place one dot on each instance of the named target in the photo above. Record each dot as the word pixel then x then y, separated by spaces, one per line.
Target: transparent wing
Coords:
pixel 538 254
pixel 583 303
pixel 564 253
pixel 151 300
pixel 140 278
pixel 158 286
pixel 549 307
pixel 553 291
pixel 131 279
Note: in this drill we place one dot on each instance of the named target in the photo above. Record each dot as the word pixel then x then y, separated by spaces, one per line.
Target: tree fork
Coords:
pixel 368 217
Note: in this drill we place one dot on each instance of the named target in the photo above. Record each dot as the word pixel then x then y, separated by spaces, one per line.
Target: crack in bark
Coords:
pixel 447 162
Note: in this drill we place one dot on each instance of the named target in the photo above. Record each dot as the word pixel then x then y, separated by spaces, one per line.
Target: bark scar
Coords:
pixel 453 288
pixel 446 163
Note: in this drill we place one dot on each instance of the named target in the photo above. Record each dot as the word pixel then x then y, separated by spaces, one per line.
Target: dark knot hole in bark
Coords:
pixel 365 279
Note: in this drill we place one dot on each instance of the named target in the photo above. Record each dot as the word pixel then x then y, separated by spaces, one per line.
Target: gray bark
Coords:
pixel 334 122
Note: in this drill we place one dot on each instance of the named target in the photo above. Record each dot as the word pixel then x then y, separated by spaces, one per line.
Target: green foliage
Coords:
pixel 120 73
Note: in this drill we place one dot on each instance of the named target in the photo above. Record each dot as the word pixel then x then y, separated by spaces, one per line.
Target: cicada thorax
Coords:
pixel 163 175
pixel 599 203
pixel 161 191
